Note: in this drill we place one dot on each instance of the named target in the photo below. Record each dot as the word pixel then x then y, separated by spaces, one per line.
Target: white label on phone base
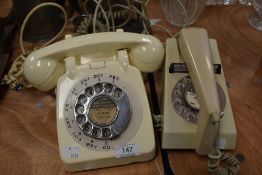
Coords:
pixel 221 143
pixel 71 152
pixel 127 150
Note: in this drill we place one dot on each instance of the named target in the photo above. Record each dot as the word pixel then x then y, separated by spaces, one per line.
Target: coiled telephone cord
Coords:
pixel 85 26
pixel 118 14
pixel 232 164
pixel 15 78
pixel 112 15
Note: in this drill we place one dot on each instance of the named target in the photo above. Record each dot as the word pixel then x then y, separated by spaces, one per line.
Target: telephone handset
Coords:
pixel 43 67
pixel 195 51
pixel 103 114
pixel 193 92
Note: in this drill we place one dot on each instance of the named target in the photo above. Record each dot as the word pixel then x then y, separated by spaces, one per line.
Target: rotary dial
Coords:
pixel 185 103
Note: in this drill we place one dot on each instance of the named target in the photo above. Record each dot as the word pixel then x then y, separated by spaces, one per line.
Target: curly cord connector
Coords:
pixel 15 79
pixel 86 24
pixel 232 164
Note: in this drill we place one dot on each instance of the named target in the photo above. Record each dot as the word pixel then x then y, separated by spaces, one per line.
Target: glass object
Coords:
pixel 221 2
pixel 255 17
pixel 229 2
pixel 182 12
pixel 245 2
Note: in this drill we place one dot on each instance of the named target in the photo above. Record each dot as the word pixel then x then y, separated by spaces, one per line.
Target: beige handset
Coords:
pixel 103 114
pixel 195 51
pixel 193 93
pixel 43 67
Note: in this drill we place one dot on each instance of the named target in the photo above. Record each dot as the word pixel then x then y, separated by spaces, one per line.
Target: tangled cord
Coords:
pixel 15 78
pixel 232 164
pixel 85 26
pixel 125 12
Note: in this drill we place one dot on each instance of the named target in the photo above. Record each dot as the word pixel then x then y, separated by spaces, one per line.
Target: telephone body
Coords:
pixel 189 97
pixel 103 114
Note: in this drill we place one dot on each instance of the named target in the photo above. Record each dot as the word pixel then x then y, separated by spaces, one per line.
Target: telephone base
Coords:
pixel 178 133
pixel 79 151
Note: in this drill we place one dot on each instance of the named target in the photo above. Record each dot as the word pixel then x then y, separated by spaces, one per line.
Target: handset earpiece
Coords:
pixel 43 67
pixel 148 56
pixel 43 73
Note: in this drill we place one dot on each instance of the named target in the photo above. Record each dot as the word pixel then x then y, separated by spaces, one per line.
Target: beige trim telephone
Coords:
pixel 103 115
pixel 192 92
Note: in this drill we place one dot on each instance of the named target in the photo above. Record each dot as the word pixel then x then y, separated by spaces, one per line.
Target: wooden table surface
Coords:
pixel 28 136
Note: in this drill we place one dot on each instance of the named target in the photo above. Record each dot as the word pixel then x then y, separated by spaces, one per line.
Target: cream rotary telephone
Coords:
pixel 194 92
pixel 103 115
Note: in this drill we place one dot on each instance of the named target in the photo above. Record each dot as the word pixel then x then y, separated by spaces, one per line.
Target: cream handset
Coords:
pixel 103 115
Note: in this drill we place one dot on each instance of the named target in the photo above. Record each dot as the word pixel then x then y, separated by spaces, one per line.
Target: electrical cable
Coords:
pixel 162 28
pixel 134 9
pixel 96 22
pixel 15 78
pixel 127 19
pixel 98 5
pixel 156 110
pixel 157 119
pixel 145 21
pixel 31 13
pixel 111 14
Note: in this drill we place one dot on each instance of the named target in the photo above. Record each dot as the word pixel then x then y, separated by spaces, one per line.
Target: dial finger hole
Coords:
pixel 180 86
pixel 89 91
pixel 117 93
pixel 80 109
pixel 82 99
pixel 178 101
pixel 98 88
pixel 178 93
pixel 96 132
pixel 87 127
pixel 108 88
pixel 106 132
pixel 81 119
pixel 192 117
pixel 182 109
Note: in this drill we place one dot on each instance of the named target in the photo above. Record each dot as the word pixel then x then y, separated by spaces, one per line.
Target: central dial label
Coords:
pixel 102 110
